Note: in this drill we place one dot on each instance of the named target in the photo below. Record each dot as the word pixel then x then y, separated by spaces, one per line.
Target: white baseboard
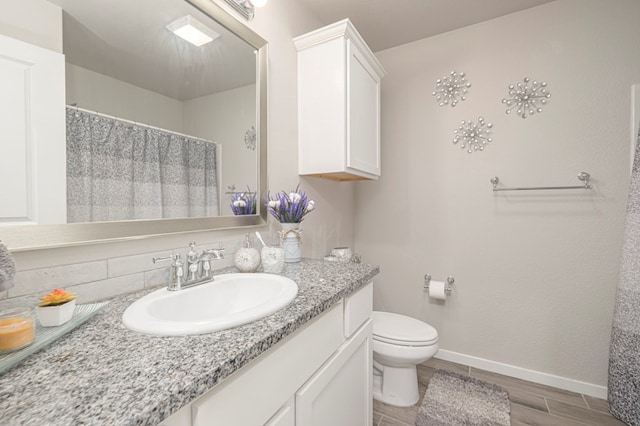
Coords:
pixel 525 374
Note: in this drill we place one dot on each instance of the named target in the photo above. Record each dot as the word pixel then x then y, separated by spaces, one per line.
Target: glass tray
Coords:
pixel 46 335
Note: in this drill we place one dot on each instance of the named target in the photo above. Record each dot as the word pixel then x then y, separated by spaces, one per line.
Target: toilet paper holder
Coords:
pixel 448 289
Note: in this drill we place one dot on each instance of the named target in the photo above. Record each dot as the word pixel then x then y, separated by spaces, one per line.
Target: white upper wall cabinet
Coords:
pixel 338 104
pixel 33 147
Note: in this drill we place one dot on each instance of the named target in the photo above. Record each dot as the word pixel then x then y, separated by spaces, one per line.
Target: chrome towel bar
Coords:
pixel 582 176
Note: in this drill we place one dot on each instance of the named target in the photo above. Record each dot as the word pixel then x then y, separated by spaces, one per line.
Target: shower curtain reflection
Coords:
pixel 118 170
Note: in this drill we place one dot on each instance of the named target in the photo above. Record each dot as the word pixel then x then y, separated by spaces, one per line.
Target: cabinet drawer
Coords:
pixel 357 309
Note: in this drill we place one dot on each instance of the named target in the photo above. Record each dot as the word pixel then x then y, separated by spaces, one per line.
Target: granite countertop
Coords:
pixel 103 373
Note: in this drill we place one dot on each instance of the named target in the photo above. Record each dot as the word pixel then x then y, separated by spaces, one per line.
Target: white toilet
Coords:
pixel 400 343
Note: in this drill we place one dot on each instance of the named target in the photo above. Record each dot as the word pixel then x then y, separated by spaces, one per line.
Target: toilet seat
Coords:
pixel 401 330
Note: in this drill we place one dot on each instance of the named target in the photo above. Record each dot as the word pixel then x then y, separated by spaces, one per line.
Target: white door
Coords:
pixel 340 393
pixel 32 134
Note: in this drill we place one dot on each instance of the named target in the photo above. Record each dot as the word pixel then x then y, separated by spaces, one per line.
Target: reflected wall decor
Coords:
pixel 250 138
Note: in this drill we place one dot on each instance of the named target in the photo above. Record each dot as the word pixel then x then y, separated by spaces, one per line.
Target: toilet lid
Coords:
pixel 402 330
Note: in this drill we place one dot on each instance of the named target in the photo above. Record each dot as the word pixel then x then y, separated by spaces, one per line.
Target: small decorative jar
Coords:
pixel 16 329
pixel 272 259
pixel 343 254
pixel 247 258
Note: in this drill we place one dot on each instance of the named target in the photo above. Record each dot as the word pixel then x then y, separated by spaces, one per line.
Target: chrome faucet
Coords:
pixel 198 267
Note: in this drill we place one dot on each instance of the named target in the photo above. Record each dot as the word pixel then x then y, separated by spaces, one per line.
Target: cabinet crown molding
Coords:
pixel 339 29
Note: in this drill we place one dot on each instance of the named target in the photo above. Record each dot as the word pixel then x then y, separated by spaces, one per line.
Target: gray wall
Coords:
pixel 535 271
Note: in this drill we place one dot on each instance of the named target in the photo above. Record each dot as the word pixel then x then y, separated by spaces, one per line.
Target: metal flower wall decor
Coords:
pixel 250 138
pixel 474 136
pixel 451 89
pixel 527 98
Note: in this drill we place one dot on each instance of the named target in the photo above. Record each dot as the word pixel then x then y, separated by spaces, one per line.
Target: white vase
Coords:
pixel 291 239
pixel 52 316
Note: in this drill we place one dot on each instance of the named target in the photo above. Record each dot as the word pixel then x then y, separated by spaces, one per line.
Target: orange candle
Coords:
pixel 16 329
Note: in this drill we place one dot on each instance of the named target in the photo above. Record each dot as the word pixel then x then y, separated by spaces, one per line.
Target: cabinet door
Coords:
pixel 363 145
pixel 340 392
pixel 32 151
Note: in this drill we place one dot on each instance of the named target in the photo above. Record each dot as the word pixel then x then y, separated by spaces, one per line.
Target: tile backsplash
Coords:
pixel 106 278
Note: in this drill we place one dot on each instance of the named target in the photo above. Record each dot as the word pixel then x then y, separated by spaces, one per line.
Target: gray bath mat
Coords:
pixel 455 400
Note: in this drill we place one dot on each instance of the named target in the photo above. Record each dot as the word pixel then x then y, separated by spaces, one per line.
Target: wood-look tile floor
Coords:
pixel 531 403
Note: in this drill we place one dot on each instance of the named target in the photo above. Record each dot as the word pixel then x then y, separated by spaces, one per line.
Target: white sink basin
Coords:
pixel 227 301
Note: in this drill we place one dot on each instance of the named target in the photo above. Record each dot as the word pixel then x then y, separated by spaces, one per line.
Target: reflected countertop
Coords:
pixel 103 373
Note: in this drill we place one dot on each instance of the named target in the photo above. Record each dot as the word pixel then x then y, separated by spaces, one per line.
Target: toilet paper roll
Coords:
pixel 437 290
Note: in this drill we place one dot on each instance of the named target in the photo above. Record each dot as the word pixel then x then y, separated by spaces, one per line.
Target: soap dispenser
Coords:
pixel 247 258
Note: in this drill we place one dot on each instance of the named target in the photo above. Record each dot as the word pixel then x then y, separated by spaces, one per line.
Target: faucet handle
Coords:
pixel 192 256
pixel 216 253
pixel 174 257
pixel 178 270
pixel 178 275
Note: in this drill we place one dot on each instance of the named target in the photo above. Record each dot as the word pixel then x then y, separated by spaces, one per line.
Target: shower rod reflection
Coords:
pixel 136 123
pixel 582 176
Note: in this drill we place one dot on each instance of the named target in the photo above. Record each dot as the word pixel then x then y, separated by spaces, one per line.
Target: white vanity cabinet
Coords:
pixel 338 104
pixel 319 375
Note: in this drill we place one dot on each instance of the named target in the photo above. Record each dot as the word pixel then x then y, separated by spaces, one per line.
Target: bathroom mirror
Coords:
pixel 103 65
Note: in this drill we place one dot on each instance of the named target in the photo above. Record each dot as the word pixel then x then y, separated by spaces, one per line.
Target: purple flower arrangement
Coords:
pixel 290 207
pixel 243 203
